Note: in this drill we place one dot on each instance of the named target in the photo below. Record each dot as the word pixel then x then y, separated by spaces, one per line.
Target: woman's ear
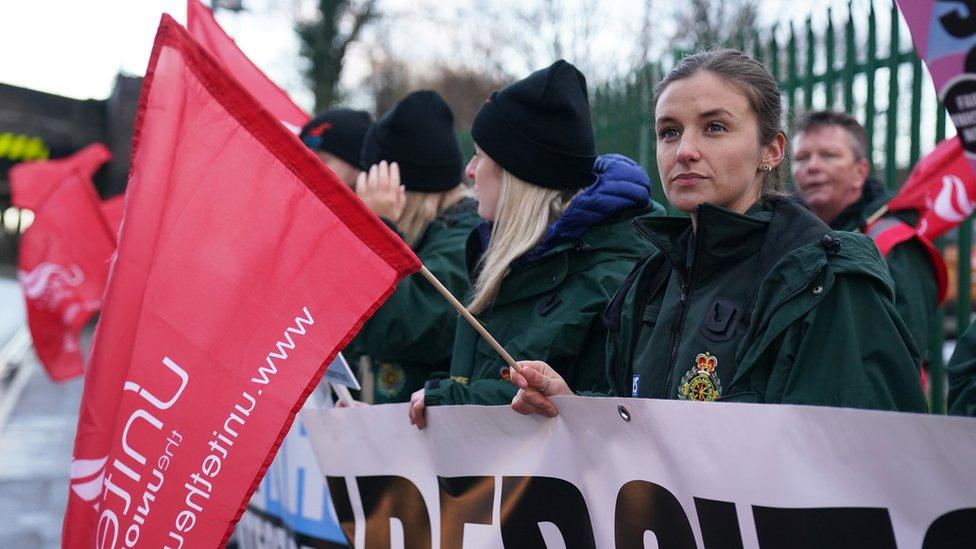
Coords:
pixel 774 152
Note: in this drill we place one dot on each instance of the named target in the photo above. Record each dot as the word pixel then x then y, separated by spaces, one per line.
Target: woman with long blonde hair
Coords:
pixel 555 244
pixel 414 185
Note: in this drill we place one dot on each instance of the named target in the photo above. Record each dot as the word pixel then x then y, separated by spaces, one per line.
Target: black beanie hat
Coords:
pixel 338 131
pixel 539 128
pixel 418 134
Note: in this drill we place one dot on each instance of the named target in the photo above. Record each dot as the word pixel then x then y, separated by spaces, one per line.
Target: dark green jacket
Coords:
pixel 962 375
pixel 548 309
pixel 770 306
pixel 411 335
pixel 916 289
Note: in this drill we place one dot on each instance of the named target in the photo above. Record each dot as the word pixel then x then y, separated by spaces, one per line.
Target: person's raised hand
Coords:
pixel 537 382
pixel 381 191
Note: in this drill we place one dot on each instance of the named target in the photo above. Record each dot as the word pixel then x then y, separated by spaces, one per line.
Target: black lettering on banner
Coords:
pixel 719 524
pixel 343 506
pixel 527 501
pixel 464 500
pixel 960 26
pixel 951 530
pixel 386 497
pixel 836 527
pixel 643 506
pixel 960 100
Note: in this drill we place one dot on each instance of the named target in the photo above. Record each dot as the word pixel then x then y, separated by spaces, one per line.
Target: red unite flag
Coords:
pixel 64 256
pixel 205 29
pixel 243 267
pixel 941 187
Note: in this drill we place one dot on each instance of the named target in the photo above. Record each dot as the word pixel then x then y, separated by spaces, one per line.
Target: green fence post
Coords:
pixel 937 374
pixel 935 364
pixel 891 126
pixel 963 302
pixel 773 56
pixel 830 75
pixel 850 60
pixel 791 68
pixel 643 105
pixel 808 75
pixel 871 65
pixel 758 53
pixel 916 128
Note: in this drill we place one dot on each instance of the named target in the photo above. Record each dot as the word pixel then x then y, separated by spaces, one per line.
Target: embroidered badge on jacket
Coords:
pixel 390 379
pixel 701 381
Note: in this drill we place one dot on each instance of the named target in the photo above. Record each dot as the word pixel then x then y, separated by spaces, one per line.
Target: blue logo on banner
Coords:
pixel 294 491
pixel 635 385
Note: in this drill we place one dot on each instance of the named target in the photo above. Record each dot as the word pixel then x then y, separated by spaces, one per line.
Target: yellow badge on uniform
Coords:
pixel 701 381
pixel 390 379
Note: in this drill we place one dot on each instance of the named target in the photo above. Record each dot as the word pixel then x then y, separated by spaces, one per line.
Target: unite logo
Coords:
pixel 86 478
pixel 951 205
pixel 50 283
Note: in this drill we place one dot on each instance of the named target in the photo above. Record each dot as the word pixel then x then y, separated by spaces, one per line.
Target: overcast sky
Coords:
pixel 75 48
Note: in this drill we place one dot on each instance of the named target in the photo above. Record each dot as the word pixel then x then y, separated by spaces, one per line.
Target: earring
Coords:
pixel 766 168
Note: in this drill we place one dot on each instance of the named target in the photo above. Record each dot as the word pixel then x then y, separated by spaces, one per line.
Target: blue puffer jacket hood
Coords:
pixel 621 185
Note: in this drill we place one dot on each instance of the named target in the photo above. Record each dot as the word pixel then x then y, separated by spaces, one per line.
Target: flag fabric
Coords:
pixel 243 267
pixel 32 182
pixel 941 187
pixel 203 26
pixel 64 255
pixel 944 34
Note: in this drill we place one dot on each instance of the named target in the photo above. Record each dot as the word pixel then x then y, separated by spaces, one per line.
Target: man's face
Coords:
pixel 828 174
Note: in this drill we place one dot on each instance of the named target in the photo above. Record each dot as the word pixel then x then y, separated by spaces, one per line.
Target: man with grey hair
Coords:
pixel 831 170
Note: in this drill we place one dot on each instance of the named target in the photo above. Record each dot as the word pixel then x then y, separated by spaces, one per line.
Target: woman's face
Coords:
pixel 708 145
pixel 487 176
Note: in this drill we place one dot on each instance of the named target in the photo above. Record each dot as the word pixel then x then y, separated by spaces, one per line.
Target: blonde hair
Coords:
pixel 524 212
pixel 421 208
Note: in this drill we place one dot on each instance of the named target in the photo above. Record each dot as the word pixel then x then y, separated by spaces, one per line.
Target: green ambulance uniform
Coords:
pixel 411 335
pixel 549 306
pixel 546 310
pixel 771 306
pixel 916 289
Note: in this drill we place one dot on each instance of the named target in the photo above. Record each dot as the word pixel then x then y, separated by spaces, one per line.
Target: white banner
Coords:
pixel 626 473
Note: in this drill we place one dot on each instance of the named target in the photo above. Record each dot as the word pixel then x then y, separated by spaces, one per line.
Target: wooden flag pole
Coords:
pixel 470 318
pixel 874 217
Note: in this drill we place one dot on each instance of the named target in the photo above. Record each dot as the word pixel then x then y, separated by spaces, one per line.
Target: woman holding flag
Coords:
pixel 555 245
pixel 751 298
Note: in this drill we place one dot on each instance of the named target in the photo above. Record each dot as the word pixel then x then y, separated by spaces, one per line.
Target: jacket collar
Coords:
pixel 722 237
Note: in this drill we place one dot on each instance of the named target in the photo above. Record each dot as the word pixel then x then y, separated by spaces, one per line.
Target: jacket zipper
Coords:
pixel 796 292
pixel 678 327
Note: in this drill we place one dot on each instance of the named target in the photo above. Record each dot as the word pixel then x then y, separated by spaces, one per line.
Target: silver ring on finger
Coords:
pixel 545 386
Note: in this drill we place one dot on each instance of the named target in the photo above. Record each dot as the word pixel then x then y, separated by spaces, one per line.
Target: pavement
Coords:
pixel 36 437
